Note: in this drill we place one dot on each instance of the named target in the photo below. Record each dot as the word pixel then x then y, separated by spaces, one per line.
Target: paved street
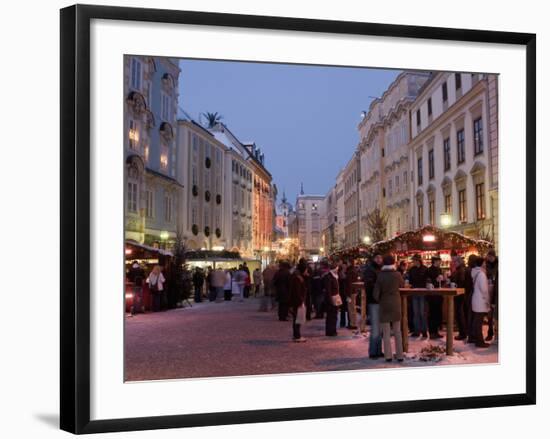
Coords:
pixel 233 338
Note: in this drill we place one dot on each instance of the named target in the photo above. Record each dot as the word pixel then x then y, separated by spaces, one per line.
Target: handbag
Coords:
pixel 301 315
pixel 336 300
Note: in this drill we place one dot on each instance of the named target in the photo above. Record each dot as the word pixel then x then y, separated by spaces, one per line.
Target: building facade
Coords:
pixel 351 176
pixel 153 193
pixel 203 157
pixel 453 154
pixel 309 224
pixel 384 154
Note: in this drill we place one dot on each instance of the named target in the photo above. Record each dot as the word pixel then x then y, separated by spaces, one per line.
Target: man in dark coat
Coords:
pixel 198 282
pixel 281 283
pixel 418 278
pixel 491 267
pixel 332 293
pixel 136 275
pixel 435 302
pixel 297 299
pixel 370 273
pixel 317 292
pixel 458 277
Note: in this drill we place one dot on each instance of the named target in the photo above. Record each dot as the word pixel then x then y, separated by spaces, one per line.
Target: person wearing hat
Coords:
pixel 435 302
pixel 332 299
pixel 418 278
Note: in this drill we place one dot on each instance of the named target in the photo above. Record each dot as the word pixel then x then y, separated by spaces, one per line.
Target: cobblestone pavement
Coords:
pixel 233 338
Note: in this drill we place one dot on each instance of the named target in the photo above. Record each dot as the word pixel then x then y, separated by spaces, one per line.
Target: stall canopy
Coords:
pixel 135 250
pixel 429 238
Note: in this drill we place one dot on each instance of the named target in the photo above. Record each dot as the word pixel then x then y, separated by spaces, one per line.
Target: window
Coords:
pixel 195 145
pixel 418 120
pixel 164 157
pixel 133 135
pixel 429 107
pixel 206 218
pixel 390 187
pixel 194 215
pixel 420 170
pixel 460 151
pixel 168 208
pixel 135 78
pixel 405 180
pixel 458 81
pixel 194 179
pixel 146 154
pixel 480 201
pixel 420 215
pixel 478 136
pixel 397 184
pixel 431 166
pixel 447 154
pixel 448 204
pixel 165 106
pixel 149 203
pixel 132 197
pixel 462 205
pixel 431 207
pixel 444 92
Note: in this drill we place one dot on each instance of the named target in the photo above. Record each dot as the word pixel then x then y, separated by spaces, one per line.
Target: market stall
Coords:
pixel 223 259
pixel 147 257
pixel 429 241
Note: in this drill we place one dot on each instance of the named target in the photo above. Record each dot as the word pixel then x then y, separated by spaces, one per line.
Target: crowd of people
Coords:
pixel 330 290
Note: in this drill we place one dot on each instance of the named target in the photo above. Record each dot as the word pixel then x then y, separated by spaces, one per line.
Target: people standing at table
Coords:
pixel 491 264
pixel 198 282
pixel 370 273
pixel 386 293
pixel 458 278
pixel 297 300
pixel 481 302
pixel 435 302
pixel 257 280
pixel 156 286
pixel 333 300
pixel 418 278
pixel 351 294
pixel 281 283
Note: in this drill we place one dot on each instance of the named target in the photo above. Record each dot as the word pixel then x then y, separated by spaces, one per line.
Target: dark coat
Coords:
pixel 459 276
pixel 433 272
pixel 370 274
pixel 298 290
pixel 418 276
pixel 281 282
pixel 198 279
pixel 330 286
pixel 386 292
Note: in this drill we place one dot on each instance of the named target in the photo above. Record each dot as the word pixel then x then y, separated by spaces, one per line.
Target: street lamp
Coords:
pixel 446 219
pixel 367 240
pixel 164 237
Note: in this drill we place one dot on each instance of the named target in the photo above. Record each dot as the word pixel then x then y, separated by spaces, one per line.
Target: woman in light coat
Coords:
pixel 156 286
pixel 481 302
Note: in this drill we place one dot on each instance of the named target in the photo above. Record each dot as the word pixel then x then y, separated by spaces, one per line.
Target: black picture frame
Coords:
pixel 75 217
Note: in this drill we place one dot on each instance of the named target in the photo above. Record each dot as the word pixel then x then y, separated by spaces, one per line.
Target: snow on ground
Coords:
pixel 234 339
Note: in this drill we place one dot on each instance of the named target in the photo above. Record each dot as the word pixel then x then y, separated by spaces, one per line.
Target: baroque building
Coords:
pixel 153 186
pixel 454 149
pixel 384 154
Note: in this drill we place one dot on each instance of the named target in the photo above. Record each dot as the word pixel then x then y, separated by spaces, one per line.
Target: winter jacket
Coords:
pixel 418 276
pixel 298 290
pixel 481 301
pixel 433 273
pixel 351 278
pixel 330 286
pixel 281 282
pixel 386 293
pixel 217 278
pixel 257 277
pixel 370 274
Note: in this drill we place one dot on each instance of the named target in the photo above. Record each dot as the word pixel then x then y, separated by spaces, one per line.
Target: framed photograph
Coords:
pixel 258 213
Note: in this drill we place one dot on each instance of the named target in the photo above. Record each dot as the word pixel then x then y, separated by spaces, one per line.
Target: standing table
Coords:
pixel 447 293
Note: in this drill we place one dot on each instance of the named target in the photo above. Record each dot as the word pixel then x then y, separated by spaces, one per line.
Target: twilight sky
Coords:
pixel 304 118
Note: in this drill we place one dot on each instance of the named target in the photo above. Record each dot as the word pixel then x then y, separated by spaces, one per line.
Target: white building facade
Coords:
pixel 453 155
